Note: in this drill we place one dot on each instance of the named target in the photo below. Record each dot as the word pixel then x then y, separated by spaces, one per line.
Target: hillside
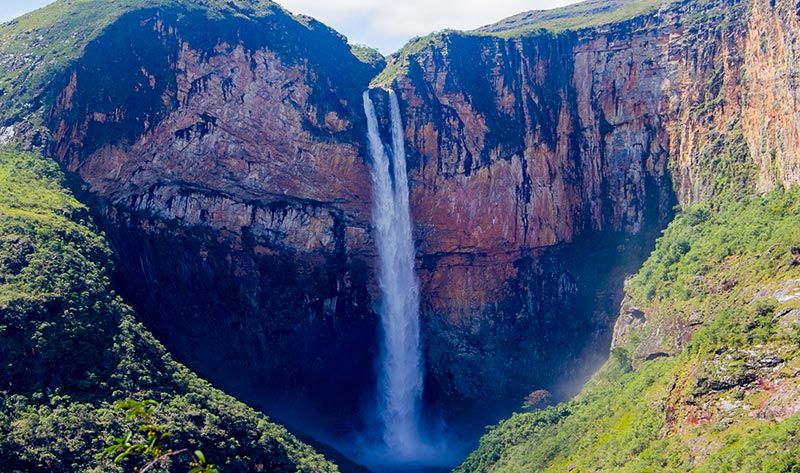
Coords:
pixel 70 348
pixel 36 48
pixel 582 15
pixel 703 376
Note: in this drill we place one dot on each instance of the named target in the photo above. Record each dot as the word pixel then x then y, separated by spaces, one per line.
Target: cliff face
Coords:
pixel 533 145
pixel 721 289
pixel 225 158
pixel 747 142
pixel 528 150
pixel 771 92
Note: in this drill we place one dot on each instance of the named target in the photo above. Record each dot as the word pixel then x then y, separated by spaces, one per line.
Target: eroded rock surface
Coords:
pixel 543 143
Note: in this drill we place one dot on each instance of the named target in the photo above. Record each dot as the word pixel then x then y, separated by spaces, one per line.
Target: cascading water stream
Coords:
pixel 400 376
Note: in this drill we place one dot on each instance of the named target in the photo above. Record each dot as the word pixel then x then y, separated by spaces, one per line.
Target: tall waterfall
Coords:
pixel 400 375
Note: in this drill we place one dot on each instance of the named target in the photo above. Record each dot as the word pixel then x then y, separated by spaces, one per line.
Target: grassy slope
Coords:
pixel 583 15
pixel 368 55
pixel 699 410
pixel 35 47
pixel 69 347
pixel 586 14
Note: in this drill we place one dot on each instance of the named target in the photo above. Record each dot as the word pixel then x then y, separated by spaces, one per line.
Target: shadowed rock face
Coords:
pixel 543 170
pixel 227 160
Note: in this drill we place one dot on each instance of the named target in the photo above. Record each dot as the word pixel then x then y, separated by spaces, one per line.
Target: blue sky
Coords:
pixel 13 8
pixel 383 24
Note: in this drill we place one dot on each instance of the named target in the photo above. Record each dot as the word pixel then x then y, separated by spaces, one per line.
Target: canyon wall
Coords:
pixel 529 146
pixel 742 134
pixel 226 158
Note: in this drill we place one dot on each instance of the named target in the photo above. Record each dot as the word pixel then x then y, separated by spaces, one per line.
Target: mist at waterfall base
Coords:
pixel 398 439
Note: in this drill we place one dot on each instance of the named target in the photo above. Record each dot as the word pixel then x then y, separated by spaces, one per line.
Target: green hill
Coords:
pixel 70 348
pixel 36 48
pixel 587 14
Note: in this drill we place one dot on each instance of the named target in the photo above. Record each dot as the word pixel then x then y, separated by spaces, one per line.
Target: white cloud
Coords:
pixel 386 25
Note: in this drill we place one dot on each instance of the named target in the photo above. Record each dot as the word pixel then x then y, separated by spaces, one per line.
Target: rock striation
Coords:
pixel 225 158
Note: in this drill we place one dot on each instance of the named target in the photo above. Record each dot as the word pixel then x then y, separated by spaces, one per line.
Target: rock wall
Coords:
pixel 540 179
pixel 532 145
pixel 742 132
pixel 226 157
pixel 771 91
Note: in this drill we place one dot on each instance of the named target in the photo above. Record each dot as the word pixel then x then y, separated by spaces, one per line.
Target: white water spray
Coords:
pixel 400 375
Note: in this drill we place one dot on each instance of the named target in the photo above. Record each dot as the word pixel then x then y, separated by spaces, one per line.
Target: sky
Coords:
pixel 382 24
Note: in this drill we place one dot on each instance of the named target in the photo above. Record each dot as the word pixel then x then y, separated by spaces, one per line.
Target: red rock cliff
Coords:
pixel 536 144
pixel 227 158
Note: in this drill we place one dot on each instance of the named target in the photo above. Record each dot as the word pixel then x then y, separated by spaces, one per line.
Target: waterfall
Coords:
pixel 400 376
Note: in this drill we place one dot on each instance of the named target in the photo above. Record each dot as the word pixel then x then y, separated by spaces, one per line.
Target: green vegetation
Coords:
pixel 586 14
pixel 397 63
pixel 368 55
pixel 146 442
pixel 747 239
pixel 716 288
pixel 70 348
pixel 725 169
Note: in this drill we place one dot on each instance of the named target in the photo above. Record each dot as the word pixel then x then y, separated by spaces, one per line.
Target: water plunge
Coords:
pixel 400 377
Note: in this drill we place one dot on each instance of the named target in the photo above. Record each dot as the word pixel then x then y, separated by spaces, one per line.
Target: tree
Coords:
pixel 146 444
pixel 536 399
